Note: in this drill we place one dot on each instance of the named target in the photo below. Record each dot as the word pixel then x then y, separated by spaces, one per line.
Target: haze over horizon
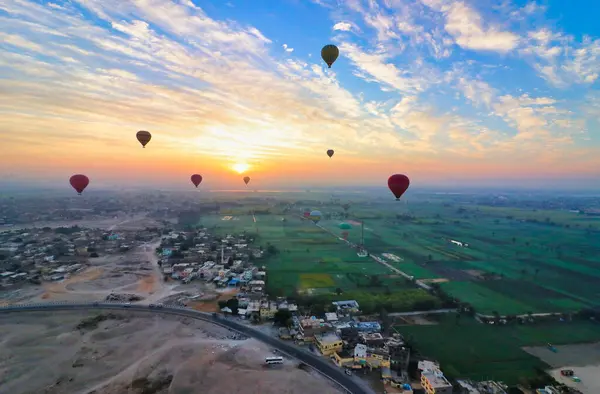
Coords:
pixel 448 92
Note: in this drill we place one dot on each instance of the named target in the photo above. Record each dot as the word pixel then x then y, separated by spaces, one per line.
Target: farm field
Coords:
pixel 517 260
pixel 309 259
pixel 473 350
pixel 512 264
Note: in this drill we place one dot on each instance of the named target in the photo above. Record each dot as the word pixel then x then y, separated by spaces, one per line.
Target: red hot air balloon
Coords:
pixel 306 214
pixel 196 179
pixel 345 235
pixel 143 137
pixel 398 183
pixel 246 179
pixel 79 182
pixel 330 153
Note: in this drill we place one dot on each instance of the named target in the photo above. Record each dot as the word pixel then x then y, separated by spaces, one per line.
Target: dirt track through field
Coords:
pixel 60 287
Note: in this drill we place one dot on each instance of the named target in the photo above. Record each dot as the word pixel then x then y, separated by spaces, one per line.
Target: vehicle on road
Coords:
pixel 274 360
pixel 159 305
pixel 348 372
pixel 152 306
pixel 127 305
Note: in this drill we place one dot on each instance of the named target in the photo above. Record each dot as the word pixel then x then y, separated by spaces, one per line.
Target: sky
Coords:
pixel 448 92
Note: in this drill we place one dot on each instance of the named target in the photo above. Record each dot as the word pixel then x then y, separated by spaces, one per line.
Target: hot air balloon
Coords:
pixel 345 235
pixel 345 226
pixel 306 214
pixel 330 53
pixel 196 179
pixel 398 183
pixel 144 137
pixel 330 153
pixel 346 207
pixel 246 179
pixel 79 182
pixel 315 216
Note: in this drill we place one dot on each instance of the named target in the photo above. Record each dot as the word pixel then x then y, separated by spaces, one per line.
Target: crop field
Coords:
pixel 469 349
pixel 517 260
pixel 535 260
pixel 309 258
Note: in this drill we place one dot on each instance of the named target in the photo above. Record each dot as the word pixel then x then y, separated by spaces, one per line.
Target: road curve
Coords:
pixel 321 365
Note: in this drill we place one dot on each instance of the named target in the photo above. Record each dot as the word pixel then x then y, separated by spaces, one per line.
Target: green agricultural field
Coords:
pixel 517 260
pixel 473 350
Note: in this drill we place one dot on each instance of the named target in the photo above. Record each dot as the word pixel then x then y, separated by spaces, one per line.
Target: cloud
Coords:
pixel 374 67
pixel 469 30
pixel 343 26
pixel 221 89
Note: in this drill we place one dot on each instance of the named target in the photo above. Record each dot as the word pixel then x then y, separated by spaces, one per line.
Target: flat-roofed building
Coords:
pixel 434 382
pixel 328 343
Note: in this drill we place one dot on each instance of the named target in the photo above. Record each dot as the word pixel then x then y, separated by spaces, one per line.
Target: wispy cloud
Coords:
pixel 101 69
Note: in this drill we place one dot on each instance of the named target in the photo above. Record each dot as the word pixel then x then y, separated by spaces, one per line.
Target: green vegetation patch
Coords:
pixel 473 350
pixel 309 281
pixel 483 299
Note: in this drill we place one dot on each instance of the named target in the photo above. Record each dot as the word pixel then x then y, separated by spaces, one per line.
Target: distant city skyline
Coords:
pixel 449 92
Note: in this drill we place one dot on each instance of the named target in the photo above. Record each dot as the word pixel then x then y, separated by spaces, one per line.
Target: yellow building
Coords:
pixel 434 382
pixel 343 359
pixel 329 343
pixel 267 310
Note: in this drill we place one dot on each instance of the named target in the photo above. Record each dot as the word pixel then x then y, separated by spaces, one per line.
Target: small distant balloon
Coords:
pixel 398 184
pixel 79 182
pixel 345 235
pixel 144 137
pixel 196 179
pixel 330 53
pixel 306 214
pixel 315 216
pixel 330 153
pixel 246 179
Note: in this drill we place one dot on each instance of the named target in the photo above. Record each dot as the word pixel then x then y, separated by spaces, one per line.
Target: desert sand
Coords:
pixel 102 353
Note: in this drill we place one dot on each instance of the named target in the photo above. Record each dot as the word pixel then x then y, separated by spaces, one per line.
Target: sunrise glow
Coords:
pixel 240 168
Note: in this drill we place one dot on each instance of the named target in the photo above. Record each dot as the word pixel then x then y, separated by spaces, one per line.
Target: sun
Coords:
pixel 240 168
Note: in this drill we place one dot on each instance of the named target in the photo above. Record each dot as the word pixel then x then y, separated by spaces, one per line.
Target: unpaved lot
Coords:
pixel 583 359
pixel 130 353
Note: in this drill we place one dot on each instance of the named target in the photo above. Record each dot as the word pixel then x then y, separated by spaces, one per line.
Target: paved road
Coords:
pixel 324 366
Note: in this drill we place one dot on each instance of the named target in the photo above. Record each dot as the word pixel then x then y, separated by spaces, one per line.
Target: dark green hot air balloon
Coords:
pixel 330 53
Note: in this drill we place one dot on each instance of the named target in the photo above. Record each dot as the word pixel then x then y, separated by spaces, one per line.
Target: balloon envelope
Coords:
pixel 306 214
pixel 315 216
pixel 330 152
pixel 196 179
pixel 345 234
pixel 329 54
pixel 144 137
pixel 398 184
pixel 345 226
pixel 246 179
pixel 79 182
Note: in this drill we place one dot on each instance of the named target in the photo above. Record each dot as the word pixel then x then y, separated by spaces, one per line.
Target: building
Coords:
pixel 434 382
pixel 346 306
pixel 343 358
pixel 328 343
pixel 309 328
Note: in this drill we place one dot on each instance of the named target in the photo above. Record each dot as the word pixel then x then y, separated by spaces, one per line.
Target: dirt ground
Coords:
pixel 213 305
pixel 417 320
pixel 583 359
pixel 129 353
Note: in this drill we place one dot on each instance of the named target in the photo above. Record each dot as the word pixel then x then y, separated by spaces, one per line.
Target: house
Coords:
pixel 346 306
pixel 331 317
pixel 371 326
pixel 343 358
pixel 432 379
pixel 328 343
pixel 308 328
pixel 267 310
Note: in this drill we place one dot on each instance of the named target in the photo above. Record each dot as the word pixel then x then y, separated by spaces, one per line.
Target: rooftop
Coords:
pixel 329 338
pixel 436 379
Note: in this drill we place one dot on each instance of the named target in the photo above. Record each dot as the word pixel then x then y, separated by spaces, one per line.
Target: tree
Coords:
pixel 282 316
pixel 222 304
pixel 338 291
pixel 233 304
